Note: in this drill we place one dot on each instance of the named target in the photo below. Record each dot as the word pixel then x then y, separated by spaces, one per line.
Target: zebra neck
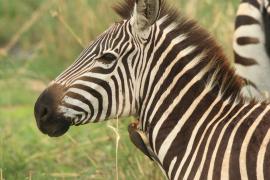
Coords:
pixel 200 129
pixel 177 116
pixel 175 90
pixel 176 69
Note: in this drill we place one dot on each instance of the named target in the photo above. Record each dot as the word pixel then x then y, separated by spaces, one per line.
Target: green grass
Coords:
pixel 38 40
pixel 86 152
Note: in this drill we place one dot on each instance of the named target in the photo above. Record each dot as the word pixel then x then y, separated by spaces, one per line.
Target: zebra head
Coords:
pixel 102 83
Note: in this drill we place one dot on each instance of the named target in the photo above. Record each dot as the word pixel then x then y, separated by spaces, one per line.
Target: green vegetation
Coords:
pixel 39 39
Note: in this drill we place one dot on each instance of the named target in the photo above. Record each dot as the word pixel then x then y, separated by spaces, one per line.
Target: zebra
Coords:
pixel 168 72
pixel 251 44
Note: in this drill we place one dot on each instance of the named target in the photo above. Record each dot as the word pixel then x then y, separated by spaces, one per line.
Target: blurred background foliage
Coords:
pixel 38 40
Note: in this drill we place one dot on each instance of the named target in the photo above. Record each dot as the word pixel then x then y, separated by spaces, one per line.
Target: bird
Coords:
pixel 139 139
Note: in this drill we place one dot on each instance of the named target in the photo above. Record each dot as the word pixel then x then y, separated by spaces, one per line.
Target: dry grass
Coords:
pixel 36 15
pixel 117 139
pixel 1 174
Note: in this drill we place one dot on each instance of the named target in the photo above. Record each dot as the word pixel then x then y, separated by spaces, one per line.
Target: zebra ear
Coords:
pixel 145 14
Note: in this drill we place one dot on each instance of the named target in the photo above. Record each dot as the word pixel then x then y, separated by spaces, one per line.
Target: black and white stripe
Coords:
pixel 167 71
pixel 251 45
pixel 93 83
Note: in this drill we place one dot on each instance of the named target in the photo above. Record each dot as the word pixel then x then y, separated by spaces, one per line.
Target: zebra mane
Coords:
pixel 230 83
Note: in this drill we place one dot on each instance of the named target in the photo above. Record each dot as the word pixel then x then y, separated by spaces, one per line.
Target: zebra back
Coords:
pixel 251 44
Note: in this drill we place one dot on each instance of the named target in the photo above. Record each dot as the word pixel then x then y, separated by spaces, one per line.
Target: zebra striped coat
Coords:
pixel 251 46
pixel 166 70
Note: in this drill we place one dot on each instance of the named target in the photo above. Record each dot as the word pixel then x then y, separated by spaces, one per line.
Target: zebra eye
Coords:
pixel 108 57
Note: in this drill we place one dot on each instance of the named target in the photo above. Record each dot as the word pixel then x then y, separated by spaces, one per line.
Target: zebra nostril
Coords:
pixel 45 106
pixel 44 113
pixel 42 110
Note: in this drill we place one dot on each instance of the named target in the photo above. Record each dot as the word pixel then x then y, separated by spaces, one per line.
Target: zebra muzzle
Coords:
pixel 48 120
